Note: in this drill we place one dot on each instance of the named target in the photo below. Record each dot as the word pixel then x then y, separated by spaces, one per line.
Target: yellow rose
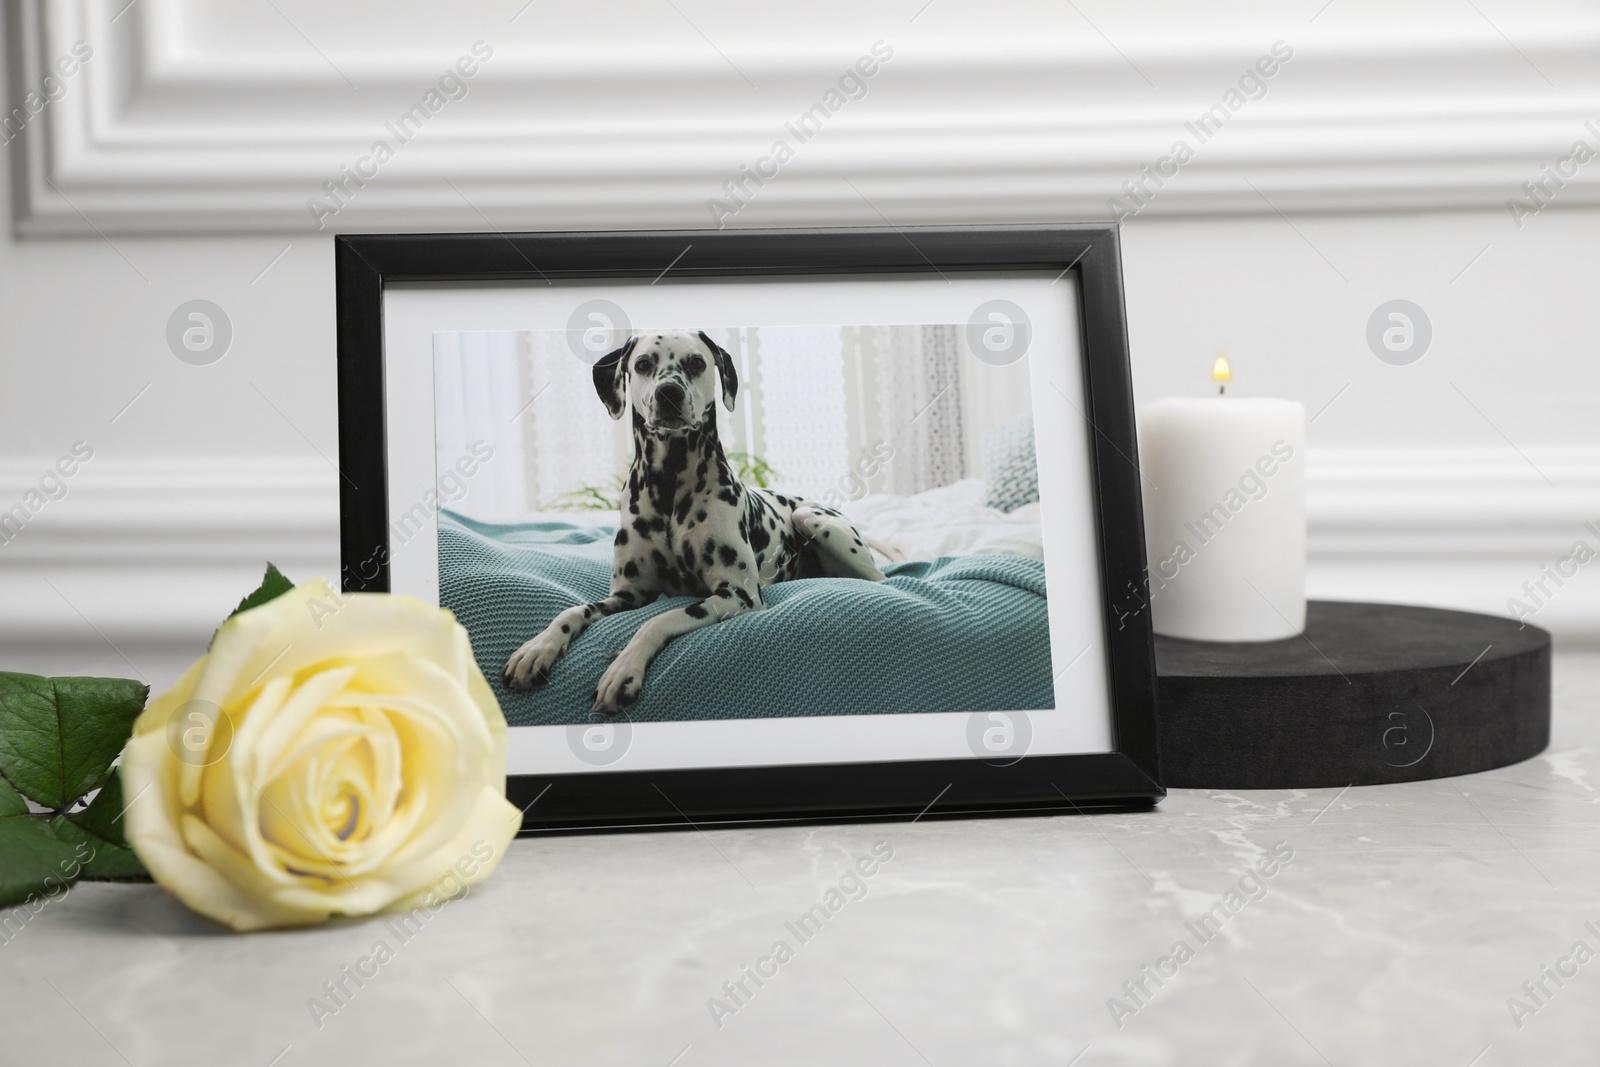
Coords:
pixel 330 755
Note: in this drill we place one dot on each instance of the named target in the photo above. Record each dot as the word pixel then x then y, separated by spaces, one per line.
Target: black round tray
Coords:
pixel 1372 693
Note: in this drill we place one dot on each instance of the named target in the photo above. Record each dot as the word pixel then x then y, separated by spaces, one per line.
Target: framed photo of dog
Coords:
pixel 751 526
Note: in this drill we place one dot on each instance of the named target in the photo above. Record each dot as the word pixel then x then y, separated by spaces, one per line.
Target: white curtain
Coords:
pixel 478 387
pixel 818 403
pixel 573 444
pixel 815 403
pixel 794 413
pixel 910 399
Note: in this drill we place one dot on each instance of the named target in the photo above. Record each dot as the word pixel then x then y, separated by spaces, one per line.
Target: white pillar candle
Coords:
pixel 1225 518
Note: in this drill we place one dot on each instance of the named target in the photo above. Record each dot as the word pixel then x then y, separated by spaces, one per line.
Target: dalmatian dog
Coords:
pixel 689 526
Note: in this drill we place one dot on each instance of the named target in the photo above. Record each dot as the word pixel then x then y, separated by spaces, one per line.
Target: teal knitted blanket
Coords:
pixel 957 634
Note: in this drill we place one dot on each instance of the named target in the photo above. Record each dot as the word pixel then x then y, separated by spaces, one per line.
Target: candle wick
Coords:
pixel 1222 389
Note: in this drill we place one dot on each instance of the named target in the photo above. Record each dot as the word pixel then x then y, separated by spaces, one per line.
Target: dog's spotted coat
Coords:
pixel 689 526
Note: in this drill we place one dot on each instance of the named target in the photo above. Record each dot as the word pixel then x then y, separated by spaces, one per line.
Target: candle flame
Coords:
pixel 1220 371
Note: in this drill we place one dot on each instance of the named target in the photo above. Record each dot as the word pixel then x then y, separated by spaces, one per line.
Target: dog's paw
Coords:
pixel 621 684
pixel 529 666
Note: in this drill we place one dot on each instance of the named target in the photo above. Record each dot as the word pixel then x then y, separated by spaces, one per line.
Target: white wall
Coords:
pixel 1450 481
pixel 178 164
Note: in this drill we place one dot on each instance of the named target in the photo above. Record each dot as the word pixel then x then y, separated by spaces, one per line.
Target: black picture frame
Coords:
pixel 1125 777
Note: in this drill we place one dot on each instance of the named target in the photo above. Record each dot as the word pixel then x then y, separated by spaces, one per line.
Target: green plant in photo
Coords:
pixel 590 498
pixel 750 468
pixel 753 469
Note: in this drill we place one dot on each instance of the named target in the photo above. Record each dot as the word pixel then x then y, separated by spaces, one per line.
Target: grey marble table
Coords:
pixel 1401 930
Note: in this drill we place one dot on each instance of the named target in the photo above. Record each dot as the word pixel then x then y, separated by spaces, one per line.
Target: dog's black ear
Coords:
pixel 611 376
pixel 729 376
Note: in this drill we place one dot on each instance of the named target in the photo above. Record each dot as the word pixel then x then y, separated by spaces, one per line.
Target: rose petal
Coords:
pixel 367 767
pixel 494 821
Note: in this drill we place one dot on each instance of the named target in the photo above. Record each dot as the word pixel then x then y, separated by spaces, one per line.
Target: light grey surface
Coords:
pixel 1407 918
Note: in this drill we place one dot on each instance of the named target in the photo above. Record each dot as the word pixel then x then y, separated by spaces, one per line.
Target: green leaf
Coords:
pixel 58 736
pixel 99 828
pixel 273 585
pixel 752 468
pixel 11 802
pixel 32 859
pixel 591 498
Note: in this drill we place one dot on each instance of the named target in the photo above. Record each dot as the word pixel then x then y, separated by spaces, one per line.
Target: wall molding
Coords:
pixel 196 117
pixel 133 568
pixel 140 560
pixel 1460 528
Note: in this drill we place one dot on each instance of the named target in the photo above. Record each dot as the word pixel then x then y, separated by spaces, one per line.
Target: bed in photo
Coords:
pixel 916 444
